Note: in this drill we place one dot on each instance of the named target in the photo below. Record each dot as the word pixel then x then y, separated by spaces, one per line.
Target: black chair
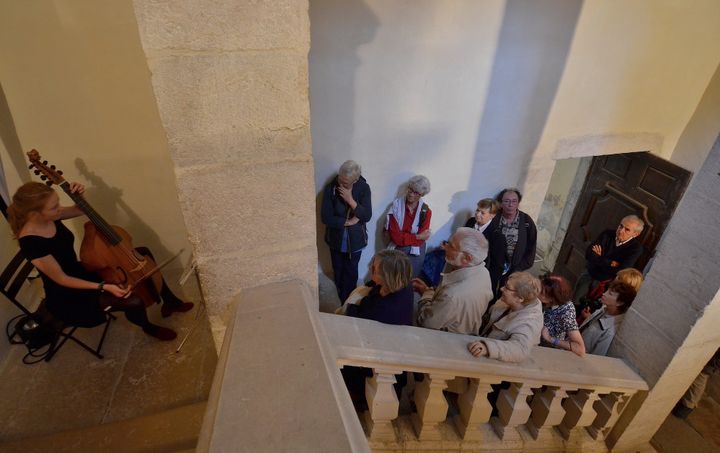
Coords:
pixel 14 276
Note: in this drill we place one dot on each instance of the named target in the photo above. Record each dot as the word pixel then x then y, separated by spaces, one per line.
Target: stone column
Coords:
pixel 671 329
pixel 231 83
pixel 475 410
pixel 431 406
pixel 382 403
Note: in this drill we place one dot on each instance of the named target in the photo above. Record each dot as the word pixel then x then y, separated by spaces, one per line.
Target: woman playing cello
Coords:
pixel 74 295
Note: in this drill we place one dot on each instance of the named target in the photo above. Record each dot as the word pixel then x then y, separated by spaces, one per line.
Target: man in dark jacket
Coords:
pixel 519 231
pixel 612 251
pixel 346 208
pixel 485 222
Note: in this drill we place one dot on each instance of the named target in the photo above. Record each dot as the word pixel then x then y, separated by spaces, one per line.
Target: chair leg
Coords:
pixel 69 336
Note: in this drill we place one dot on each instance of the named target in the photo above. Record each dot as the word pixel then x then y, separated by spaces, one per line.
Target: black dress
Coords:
pixel 79 307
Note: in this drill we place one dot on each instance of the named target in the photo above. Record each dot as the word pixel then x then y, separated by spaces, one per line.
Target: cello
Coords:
pixel 106 249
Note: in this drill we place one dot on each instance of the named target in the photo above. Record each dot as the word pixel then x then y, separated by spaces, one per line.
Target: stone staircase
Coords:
pixel 173 430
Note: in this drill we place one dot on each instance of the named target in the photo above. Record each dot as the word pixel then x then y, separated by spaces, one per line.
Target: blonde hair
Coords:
pixel 527 286
pixel 394 268
pixel 30 197
pixel 631 276
pixel 488 203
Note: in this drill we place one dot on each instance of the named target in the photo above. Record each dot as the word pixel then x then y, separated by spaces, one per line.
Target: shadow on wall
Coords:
pixel 11 142
pixel 532 50
pixel 110 198
pixel 338 88
pixel 407 115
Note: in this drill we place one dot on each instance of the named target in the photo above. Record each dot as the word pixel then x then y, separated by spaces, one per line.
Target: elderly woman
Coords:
pixel 486 222
pixel 388 297
pixel 599 329
pixel 346 208
pixel 561 329
pixel 408 222
pixel 519 231
pixel 515 321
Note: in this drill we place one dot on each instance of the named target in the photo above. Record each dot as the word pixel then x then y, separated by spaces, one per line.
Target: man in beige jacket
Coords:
pixel 462 298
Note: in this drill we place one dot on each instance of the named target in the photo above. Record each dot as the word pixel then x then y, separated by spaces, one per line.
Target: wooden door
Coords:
pixel 618 185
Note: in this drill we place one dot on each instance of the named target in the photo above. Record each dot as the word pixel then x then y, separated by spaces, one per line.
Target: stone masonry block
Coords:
pixel 221 94
pixel 696 228
pixel 683 265
pixel 225 276
pixel 661 304
pixel 239 208
pixel 223 25
pixel 643 346
pixel 246 146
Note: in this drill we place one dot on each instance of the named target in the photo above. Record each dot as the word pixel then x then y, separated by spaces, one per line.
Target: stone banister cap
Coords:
pixel 370 343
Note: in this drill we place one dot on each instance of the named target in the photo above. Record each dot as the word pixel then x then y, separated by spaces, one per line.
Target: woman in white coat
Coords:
pixel 515 321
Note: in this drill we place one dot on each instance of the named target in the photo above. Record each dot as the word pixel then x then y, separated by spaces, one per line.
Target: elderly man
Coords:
pixel 611 252
pixel 462 298
pixel 346 208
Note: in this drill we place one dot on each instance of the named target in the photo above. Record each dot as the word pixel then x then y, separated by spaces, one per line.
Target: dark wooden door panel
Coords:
pixel 616 186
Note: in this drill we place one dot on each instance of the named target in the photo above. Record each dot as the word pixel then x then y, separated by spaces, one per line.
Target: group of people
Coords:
pixel 485 290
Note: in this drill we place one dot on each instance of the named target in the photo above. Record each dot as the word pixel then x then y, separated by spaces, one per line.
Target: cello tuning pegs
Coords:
pixel 43 177
pixel 31 166
pixel 44 162
pixel 60 172
pixel 49 183
pixel 37 172
pixel 52 167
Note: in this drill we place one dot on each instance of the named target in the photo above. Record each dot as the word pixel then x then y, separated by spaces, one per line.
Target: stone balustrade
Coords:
pixel 553 400
pixel 278 387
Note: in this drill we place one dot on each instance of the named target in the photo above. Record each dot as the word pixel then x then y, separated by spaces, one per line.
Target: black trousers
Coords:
pixel 345 268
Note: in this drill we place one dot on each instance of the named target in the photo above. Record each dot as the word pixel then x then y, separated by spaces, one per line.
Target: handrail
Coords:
pixel 362 342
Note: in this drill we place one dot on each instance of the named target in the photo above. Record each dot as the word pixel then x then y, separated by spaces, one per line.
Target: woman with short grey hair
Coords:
pixel 346 208
pixel 514 323
pixel 408 222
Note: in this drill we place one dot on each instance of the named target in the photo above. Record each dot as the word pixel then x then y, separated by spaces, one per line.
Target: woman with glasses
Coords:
pixel 485 220
pixel 519 231
pixel 514 323
pixel 561 330
pixel 408 222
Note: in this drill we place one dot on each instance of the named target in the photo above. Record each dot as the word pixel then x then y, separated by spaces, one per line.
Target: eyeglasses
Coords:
pixel 510 201
pixel 448 244
pixel 414 192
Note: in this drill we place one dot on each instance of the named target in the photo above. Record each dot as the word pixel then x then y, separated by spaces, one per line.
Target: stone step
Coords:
pixel 175 430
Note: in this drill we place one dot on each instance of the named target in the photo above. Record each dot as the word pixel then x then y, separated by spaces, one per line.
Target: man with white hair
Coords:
pixel 346 209
pixel 460 301
pixel 612 251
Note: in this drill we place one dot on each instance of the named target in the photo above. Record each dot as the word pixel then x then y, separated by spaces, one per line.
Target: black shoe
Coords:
pixel 681 411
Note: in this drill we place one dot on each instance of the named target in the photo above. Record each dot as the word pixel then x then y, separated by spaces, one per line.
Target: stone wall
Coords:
pixel 231 83
pixel 671 329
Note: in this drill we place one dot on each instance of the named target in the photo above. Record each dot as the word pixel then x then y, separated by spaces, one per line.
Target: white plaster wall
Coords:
pixel 76 86
pixel 457 91
pixel 634 77
pixel 637 67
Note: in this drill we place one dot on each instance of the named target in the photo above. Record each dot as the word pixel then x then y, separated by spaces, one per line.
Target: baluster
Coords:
pixel 431 406
pixel 579 411
pixel 547 411
pixel 608 411
pixel 475 410
pixel 513 410
pixel 382 403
